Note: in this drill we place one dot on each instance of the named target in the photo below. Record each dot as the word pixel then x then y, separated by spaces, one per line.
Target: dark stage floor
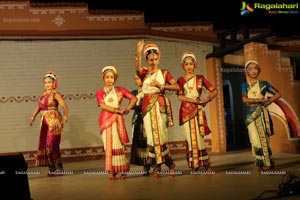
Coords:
pixel 234 176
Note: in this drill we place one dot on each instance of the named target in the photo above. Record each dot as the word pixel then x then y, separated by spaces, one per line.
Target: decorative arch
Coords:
pixel 290 116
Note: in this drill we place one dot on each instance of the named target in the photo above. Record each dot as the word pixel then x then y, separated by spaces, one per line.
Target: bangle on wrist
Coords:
pixel 162 87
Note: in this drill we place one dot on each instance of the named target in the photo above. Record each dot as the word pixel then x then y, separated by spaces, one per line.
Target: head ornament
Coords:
pixel 189 54
pixel 109 68
pixel 249 62
pixel 52 75
pixel 150 47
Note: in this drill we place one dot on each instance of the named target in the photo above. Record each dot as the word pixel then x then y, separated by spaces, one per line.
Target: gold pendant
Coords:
pixel 190 89
pixel 110 99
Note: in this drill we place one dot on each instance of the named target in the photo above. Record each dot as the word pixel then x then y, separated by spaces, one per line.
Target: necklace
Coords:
pixel 254 93
pixel 252 84
pixel 150 76
pixel 109 94
pixel 191 87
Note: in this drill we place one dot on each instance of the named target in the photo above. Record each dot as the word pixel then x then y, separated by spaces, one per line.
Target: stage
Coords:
pixel 234 176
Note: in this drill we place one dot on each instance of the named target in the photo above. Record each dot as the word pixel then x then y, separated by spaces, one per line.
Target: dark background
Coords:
pixel 224 14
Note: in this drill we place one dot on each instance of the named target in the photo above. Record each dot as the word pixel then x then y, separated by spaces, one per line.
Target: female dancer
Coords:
pixel 192 117
pixel 156 106
pixel 257 118
pixel 51 125
pixel 139 148
pixel 111 122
